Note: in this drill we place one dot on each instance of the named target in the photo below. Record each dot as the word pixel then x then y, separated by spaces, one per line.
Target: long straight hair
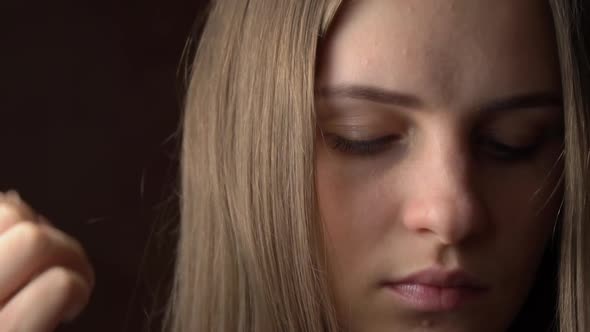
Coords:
pixel 574 264
pixel 251 255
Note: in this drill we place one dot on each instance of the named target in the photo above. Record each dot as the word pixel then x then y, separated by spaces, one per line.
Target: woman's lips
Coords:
pixel 436 289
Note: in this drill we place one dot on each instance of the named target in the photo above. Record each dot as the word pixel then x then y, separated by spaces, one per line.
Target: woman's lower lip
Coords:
pixel 431 298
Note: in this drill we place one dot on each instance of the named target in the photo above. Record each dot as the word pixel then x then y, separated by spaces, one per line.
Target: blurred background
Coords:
pixel 90 103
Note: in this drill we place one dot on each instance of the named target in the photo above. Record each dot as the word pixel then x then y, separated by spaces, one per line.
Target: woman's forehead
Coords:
pixel 456 51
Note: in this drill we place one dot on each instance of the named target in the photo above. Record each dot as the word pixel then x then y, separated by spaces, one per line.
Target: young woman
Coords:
pixel 385 165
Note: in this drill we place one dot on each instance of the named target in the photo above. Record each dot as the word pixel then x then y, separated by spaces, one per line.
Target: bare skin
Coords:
pixel 45 275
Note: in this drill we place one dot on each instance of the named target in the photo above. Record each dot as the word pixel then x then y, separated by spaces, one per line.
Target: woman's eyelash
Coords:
pixel 361 147
pixel 491 147
pixel 504 152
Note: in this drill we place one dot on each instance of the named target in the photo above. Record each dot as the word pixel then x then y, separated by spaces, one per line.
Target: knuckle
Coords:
pixel 8 213
pixel 32 238
pixel 64 281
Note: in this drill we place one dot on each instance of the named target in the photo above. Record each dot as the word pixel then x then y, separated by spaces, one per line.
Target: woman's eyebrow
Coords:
pixel 371 93
pixel 541 99
pixel 537 99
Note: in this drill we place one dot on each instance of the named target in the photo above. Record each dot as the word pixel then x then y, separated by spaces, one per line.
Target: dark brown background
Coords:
pixel 89 101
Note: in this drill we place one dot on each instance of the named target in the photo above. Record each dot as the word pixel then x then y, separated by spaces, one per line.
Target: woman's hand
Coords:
pixel 45 276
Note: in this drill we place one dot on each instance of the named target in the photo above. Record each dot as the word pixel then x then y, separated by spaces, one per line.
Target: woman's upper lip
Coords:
pixel 438 277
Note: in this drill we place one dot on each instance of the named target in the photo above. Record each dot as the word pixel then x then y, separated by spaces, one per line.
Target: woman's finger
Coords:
pixel 56 295
pixel 30 248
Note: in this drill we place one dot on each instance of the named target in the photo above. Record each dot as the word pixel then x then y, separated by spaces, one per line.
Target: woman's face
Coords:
pixel 437 160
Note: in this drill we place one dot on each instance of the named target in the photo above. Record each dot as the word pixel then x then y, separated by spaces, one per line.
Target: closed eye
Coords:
pixel 361 147
pixel 509 153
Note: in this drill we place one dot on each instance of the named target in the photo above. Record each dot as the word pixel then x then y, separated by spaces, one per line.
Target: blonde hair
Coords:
pixel 574 267
pixel 251 256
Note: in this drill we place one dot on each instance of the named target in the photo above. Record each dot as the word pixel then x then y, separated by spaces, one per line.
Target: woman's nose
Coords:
pixel 443 201
pixel 451 219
